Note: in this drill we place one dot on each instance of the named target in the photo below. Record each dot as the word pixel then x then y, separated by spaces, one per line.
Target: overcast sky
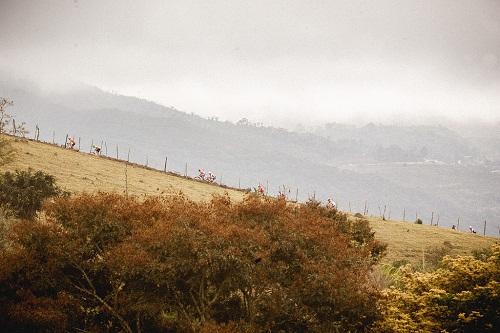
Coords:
pixel 280 62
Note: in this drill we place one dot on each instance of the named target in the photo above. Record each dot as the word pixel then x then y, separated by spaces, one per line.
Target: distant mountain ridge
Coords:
pixel 351 164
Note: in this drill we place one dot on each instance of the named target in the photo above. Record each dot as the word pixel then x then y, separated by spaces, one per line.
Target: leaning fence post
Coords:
pixel 14 126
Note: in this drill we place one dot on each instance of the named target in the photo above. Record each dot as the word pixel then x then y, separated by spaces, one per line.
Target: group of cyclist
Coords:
pixel 208 177
pixel 71 143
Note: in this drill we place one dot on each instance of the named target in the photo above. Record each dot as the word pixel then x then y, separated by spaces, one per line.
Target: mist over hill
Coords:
pixel 419 169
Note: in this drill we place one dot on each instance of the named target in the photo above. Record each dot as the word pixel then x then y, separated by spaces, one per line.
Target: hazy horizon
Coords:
pixel 281 63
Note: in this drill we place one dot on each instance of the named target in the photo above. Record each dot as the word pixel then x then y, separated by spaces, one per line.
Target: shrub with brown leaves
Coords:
pixel 108 263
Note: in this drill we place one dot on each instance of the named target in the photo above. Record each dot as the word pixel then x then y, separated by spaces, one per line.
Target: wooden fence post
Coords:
pixel 65 141
pixel 53 137
pixel 105 148
pixel 437 222
pixel 116 151
pixel 297 195
pixel 404 214
pixel 484 229
pixel 165 166
pixel 423 258
pixel 79 139
pixel 128 155
pixel 458 223
pixel 126 180
pixel 432 218
pixel 185 170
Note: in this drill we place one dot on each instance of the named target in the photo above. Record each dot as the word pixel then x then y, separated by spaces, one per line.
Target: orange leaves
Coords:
pixel 257 265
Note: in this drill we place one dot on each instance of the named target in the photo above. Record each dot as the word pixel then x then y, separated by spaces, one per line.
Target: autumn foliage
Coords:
pixel 108 263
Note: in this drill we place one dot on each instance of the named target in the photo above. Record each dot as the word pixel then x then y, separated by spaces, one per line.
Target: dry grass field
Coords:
pixel 407 240
pixel 82 172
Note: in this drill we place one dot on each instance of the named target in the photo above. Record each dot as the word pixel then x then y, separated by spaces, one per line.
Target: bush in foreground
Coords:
pixel 462 295
pixel 107 263
pixel 23 192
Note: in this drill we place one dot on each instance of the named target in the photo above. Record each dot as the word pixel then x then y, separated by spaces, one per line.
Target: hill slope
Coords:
pixel 82 172
pixel 411 168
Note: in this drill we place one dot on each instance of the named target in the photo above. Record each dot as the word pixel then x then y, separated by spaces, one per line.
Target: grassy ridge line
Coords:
pixel 78 171
pixel 408 240
pixel 83 172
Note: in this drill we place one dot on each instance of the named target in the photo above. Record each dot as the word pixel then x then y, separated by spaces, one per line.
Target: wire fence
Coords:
pixel 290 193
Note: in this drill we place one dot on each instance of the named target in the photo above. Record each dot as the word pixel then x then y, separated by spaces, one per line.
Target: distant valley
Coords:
pixel 422 171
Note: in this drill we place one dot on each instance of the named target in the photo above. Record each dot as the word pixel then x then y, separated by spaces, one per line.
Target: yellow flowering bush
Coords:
pixel 463 295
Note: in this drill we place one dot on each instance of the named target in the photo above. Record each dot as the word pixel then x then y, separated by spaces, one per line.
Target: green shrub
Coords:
pixel 418 221
pixel 23 192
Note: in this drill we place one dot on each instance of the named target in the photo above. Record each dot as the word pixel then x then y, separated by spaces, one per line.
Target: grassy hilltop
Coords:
pixel 82 172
